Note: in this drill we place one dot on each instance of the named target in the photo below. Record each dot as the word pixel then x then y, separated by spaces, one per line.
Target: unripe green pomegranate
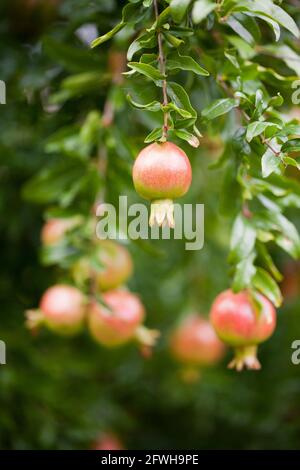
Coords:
pixel 62 309
pixel 195 342
pixel 162 172
pixel 239 322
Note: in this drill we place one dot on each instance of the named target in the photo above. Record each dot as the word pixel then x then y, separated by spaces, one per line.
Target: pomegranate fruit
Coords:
pixel 54 230
pixel 240 323
pixel 195 342
pixel 62 309
pixel 108 441
pixel 117 265
pixel 161 173
pixel 119 320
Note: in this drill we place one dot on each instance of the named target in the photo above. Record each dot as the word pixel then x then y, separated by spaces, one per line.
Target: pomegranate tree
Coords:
pixel 119 319
pixel 62 309
pixel 243 322
pixel 195 342
pixel 161 173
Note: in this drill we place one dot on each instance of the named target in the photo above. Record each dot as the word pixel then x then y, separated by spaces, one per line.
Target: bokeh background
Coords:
pixel 58 393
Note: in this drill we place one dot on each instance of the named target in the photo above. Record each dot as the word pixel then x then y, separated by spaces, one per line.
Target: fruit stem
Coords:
pixel 162 66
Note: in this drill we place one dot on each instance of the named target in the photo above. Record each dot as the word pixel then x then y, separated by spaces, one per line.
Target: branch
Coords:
pixel 162 64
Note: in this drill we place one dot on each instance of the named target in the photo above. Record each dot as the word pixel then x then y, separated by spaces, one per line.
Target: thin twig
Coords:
pixel 162 65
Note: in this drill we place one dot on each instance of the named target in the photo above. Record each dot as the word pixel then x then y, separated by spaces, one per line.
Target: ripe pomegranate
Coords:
pixel 239 322
pixel 117 265
pixel 195 342
pixel 62 309
pixel 108 441
pixel 119 320
pixel 161 173
pixel 54 230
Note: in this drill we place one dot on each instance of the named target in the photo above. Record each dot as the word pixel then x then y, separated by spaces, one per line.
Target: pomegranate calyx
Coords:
pixel 34 319
pixel 245 357
pixel 162 213
pixel 146 337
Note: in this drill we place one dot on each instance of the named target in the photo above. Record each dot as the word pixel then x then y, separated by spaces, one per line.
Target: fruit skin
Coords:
pixel 238 322
pixel 108 441
pixel 117 265
pixel 63 309
pixel 117 323
pixel 195 342
pixel 54 230
pixel 162 171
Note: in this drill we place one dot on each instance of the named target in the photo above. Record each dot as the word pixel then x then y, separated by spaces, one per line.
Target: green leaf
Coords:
pixel 173 40
pixel 147 70
pixel 177 61
pixel 239 28
pixel 264 283
pixel 274 25
pixel 143 42
pixel 268 10
pixel 244 49
pixel 244 272
pixel 130 13
pixel 187 136
pixel 290 129
pixel 270 163
pixel 179 9
pixel 201 9
pixel 291 162
pixel 219 107
pixel 156 134
pixel 289 239
pixel 96 42
pixel 153 106
pixel 258 127
pixel 266 259
pixel 173 107
pixel 242 239
pixel 180 98
pixel 285 53
pixel 291 146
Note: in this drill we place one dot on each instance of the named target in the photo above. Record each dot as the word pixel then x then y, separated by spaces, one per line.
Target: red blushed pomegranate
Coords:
pixel 108 441
pixel 62 309
pixel 119 320
pixel 239 322
pixel 54 230
pixel 195 342
pixel 117 265
pixel 162 172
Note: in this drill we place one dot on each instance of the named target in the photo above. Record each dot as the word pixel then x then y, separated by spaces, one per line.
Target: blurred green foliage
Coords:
pixel 58 393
